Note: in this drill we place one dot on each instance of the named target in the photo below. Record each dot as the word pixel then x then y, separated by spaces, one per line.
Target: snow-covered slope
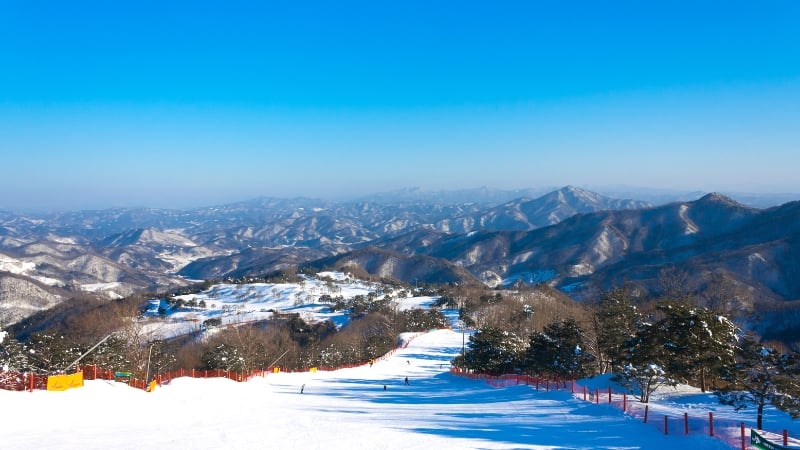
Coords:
pixel 343 409
pixel 240 303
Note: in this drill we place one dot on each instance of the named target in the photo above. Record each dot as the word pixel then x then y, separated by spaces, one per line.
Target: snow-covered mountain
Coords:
pixel 528 214
pixel 711 235
pixel 563 237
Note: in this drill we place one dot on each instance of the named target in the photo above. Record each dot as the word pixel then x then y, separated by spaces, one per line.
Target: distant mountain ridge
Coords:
pixel 712 233
pixel 567 238
pixel 528 214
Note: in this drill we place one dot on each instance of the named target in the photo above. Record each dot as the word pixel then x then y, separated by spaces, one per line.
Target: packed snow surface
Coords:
pixel 363 407
pixel 370 406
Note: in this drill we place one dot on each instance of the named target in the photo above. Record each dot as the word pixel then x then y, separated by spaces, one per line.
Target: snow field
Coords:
pixel 345 409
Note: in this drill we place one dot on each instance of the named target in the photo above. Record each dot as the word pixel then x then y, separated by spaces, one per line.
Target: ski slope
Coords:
pixel 343 409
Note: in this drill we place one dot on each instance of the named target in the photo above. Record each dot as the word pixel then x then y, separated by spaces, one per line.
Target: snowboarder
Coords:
pixel 302 388
pixel 406 381
pixel 384 387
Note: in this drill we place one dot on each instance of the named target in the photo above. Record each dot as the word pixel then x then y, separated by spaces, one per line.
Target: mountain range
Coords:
pixel 570 238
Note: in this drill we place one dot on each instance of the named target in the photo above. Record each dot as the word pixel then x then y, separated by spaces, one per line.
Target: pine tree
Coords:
pixel 762 376
pixel 492 351
pixel 641 371
pixel 697 342
pixel 49 352
pixel 615 323
pixel 558 351
pixel 12 357
pixel 110 355
pixel 161 357
pixel 224 357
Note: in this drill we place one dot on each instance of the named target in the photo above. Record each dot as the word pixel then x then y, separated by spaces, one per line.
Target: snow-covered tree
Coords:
pixel 110 355
pixel 761 376
pixel 616 321
pixel 12 358
pixel 225 357
pixel 642 380
pixel 642 373
pixel 493 351
pixel 558 351
pixel 697 342
pixel 50 352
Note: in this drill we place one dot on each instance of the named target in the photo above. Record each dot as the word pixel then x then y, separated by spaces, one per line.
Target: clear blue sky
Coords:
pixel 172 104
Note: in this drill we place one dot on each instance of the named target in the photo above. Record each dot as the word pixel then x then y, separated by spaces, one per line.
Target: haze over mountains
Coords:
pixel 570 238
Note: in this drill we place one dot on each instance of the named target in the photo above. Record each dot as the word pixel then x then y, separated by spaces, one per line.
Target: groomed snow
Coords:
pixel 344 409
pixel 363 407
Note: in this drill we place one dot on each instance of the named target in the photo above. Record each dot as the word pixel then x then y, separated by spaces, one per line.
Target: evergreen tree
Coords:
pixel 110 355
pixel 616 322
pixel 697 342
pixel 12 357
pixel 762 376
pixel 161 357
pixel 641 371
pixel 492 351
pixel 558 351
pixel 224 357
pixel 50 353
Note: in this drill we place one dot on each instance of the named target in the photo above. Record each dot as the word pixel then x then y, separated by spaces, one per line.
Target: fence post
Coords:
pixel 609 394
pixel 597 396
pixel 31 382
pixel 646 407
pixel 785 438
pixel 686 424
pixel 666 425
pixel 711 423
pixel 572 386
pixel 624 402
pixel 744 446
pixel 584 393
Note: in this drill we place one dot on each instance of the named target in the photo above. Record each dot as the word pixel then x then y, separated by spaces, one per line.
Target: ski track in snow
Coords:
pixel 346 409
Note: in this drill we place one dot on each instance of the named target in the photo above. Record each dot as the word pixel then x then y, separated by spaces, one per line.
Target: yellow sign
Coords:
pixel 64 382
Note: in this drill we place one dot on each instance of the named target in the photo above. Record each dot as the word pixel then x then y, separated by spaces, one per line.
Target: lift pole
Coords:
pixel 87 352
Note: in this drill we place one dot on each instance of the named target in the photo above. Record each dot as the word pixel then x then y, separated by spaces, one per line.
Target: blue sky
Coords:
pixel 174 104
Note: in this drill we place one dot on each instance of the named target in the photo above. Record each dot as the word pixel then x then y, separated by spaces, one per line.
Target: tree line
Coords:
pixel 287 340
pixel 647 345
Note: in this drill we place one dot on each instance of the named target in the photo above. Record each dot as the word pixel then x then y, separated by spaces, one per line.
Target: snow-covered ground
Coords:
pixel 241 303
pixel 13 265
pixel 362 407
pixel 343 409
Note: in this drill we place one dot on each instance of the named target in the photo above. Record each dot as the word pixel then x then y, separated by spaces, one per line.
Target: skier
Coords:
pixel 302 388
pixel 406 381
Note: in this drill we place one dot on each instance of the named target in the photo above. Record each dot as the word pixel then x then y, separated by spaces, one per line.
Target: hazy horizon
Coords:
pixel 657 196
pixel 182 105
